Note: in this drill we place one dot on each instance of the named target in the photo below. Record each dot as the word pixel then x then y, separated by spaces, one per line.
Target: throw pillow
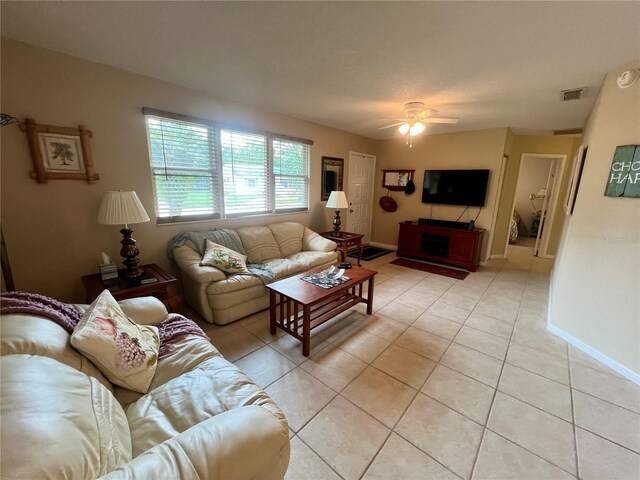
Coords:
pixel 224 259
pixel 125 352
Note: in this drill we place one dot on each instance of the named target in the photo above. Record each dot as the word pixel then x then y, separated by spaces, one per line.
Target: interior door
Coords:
pixel 551 181
pixel 360 194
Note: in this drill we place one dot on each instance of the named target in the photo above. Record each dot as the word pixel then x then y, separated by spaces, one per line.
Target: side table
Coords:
pixel 123 289
pixel 345 241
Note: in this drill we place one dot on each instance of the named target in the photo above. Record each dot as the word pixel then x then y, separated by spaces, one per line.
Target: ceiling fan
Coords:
pixel 415 117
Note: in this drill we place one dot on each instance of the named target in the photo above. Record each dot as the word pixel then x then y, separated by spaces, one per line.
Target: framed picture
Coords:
pixel 332 172
pixel 574 180
pixel 624 176
pixel 60 153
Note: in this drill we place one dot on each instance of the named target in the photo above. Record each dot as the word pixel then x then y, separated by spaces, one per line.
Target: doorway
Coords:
pixel 360 194
pixel 534 204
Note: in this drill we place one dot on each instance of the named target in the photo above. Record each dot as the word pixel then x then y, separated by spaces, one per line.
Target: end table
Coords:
pixel 345 241
pixel 121 289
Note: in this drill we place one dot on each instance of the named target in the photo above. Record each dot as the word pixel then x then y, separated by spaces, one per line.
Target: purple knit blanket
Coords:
pixel 174 327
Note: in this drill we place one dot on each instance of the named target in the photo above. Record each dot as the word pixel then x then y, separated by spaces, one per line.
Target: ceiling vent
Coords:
pixel 573 94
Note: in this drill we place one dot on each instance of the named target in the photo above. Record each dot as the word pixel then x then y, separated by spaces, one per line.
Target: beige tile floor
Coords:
pixel 448 379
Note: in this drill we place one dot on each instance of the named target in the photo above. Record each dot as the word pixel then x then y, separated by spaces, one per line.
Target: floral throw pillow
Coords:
pixel 125 352
pixel 224 259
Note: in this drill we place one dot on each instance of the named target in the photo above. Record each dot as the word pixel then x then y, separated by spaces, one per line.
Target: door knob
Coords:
pixel 350 210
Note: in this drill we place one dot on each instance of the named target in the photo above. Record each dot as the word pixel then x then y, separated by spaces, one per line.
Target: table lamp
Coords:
pixel 337 200
pixel 124 208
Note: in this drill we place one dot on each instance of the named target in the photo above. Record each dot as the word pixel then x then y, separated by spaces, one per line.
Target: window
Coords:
pixel 203 171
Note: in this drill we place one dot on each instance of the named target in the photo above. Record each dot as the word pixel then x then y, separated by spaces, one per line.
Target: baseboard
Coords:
pixel 592 352
pixel 497 255
pixel 384 245
pixel 550 257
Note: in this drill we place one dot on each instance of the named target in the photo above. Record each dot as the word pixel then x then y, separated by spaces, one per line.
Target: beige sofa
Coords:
pixel 286 248
pixel 61 418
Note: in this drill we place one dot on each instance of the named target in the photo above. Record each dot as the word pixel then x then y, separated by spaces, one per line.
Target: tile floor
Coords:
pixel 448 379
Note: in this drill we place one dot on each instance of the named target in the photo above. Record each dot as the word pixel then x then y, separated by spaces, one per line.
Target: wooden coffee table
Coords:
pixel 297 307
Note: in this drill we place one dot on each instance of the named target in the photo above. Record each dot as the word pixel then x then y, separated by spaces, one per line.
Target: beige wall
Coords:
pixel 595 285
pixel 50 229
pixel 531 144
pixel 463 150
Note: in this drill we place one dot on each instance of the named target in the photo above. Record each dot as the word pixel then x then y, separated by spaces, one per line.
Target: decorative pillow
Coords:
pixel 125 352
pixel 224 259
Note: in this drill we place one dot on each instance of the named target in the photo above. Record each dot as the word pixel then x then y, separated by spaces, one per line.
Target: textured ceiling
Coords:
pixel 350 64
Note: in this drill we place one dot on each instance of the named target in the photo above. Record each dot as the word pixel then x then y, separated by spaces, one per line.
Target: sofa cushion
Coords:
pixel 125 352
pixel 313 259
pixel 259 243
pixel 34 335
pixel 289 237
pixel 283 267
pixel 233 283
pixel 58 422
pixel 213 387
pixel 224 259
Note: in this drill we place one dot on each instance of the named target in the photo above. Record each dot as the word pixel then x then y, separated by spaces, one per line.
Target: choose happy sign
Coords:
pixel 624 177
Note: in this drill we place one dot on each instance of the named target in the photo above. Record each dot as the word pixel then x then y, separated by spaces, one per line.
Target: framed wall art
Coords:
pixel 624 176
pixel 60 153
pixel 332 172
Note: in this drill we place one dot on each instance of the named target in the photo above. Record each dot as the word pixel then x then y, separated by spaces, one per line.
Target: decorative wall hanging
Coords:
pixel 574 180
pixel 60 153
pixel 332 172
pixel 624 176
pixel 396 180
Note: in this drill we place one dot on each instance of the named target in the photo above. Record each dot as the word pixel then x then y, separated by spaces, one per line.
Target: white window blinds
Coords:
pixel 184 170
pixel 291 175
pixel 202 171
pixel 246 176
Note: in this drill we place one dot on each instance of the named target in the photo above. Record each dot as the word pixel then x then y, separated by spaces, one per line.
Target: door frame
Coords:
pixel 551 211
pixel 371 190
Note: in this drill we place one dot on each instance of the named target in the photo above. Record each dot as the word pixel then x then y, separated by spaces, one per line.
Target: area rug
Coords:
pixel 431 268
pixel 369 253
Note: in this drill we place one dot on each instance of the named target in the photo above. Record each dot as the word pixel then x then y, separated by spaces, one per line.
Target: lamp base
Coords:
pixel 336 225
pixel 130 251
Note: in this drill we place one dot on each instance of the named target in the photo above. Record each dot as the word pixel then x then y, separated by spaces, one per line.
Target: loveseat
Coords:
pixel 286 248
pixel 202 418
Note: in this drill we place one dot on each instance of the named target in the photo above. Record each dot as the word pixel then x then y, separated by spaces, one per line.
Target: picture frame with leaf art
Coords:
pixel 60 153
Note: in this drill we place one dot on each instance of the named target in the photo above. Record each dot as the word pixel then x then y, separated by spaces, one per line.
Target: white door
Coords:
pixel 551 182
pixel 360 194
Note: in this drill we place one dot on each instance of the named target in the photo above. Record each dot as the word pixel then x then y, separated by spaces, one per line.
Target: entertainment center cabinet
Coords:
pixel 441 241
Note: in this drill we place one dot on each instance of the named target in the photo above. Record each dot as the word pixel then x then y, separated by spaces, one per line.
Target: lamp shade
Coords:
pixel 121 208
pixel 337 200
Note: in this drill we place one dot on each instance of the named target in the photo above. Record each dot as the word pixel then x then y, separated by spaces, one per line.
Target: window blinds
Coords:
pixel 203 171
pixel 184 170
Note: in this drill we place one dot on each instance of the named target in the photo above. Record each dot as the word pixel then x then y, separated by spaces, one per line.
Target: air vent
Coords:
pixel 569 131
pixel 573 94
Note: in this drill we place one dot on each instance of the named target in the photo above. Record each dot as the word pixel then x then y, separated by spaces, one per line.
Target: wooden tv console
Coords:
pixel 455 246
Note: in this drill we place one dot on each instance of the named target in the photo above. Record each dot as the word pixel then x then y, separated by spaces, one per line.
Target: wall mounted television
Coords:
pixel 455 187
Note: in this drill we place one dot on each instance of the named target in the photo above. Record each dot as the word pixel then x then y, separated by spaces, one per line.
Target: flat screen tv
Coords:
pixel 455 187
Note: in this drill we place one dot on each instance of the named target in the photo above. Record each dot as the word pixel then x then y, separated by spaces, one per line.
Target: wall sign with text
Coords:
pixel 624 177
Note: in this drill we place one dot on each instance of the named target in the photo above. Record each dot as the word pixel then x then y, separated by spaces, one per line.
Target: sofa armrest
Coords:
pixel 243 443
pixel 189 262
pixel 312 242
pixel 143 310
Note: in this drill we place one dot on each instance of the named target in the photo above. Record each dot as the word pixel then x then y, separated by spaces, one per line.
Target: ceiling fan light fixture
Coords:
pixel 417 128
pixel 404 128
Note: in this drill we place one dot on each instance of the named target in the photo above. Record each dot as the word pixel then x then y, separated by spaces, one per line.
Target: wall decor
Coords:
pixel 396 180
pixel 332 173
pixel 624 176
pixel 574 180
pixel 59 153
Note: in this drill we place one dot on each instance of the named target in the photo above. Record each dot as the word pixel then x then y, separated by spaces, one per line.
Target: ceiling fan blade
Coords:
pixel 392 125
pixel 441 120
